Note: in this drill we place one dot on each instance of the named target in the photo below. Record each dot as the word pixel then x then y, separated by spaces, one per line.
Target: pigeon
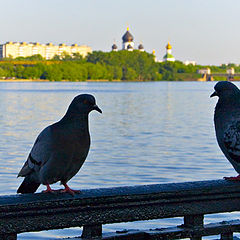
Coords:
pixel 60 149
pixel 227 123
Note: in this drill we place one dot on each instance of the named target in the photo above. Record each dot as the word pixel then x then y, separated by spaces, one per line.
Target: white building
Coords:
pixel 230 71
pixel 168 56
pixel 47 51
pixel 187 62
pixel 204 71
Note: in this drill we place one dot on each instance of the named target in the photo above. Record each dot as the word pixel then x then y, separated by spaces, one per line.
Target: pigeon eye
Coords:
pixel 85 101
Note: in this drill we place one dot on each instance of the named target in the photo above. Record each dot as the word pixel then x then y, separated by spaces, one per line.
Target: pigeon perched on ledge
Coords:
pixel 60 149
pixel 227 123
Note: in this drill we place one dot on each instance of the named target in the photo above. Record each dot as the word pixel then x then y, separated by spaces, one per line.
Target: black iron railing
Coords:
pixel 93 208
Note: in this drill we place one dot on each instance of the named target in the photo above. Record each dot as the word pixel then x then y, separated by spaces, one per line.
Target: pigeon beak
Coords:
pixel 214 94
pixel 95 107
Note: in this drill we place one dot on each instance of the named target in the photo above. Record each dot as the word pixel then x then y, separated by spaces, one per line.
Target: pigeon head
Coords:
pixel 83 104
pixel 225 89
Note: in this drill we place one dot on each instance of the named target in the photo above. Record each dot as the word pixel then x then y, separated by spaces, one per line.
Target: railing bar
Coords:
pixel 227 236
pixel 8 236
pixel 90 231
pixel 194 221
pixel 92 208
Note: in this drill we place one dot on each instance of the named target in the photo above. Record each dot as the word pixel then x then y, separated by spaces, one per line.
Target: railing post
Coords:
pixel 12 236
pixel 194 221
pixel 90 231
pixel 227 236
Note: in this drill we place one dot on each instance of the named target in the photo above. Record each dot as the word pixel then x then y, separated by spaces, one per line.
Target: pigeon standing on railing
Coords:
pixel 227 123
pixel 60 149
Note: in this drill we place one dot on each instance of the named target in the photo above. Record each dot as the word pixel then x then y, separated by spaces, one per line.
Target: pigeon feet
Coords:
pixel 66 190
pixel 69 190
pixel 233 178
pixel 49 190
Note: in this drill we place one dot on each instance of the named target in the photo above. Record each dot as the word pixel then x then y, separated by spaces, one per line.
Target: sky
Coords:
pixel 205 31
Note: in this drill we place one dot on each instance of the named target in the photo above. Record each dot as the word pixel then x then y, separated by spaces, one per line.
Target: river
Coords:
pixel 149 133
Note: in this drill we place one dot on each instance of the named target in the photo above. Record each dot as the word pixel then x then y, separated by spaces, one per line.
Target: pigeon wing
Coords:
pixel 231 140
pixel 39 154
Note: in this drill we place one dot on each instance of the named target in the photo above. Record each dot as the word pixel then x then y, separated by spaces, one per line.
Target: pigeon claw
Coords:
pixel 69 190
pixel 49 190
pixel 237 178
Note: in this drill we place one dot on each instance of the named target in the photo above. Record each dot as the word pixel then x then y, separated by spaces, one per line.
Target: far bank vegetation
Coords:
pixel 121 65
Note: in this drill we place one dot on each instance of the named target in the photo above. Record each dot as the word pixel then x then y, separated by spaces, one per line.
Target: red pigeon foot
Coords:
pixel 233 178
pixel 49 190
pixel 69 190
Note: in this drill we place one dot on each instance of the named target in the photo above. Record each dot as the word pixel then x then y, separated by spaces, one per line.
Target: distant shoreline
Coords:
pixel 23 80
pixel 101 80
pixel 45 80
pixel 95 80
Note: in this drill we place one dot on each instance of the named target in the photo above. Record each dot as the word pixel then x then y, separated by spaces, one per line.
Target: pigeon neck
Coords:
pixel 228 101
pixel 76 116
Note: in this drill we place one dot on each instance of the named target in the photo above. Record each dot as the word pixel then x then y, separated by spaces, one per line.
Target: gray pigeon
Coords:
pixel 227 123
pixel 60 149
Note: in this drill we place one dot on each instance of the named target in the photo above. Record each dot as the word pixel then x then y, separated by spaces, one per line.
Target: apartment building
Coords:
pixel 47 51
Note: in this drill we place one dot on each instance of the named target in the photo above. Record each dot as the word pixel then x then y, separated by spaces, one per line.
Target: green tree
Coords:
pixel 3 73
pixel 35 57
pixel 56 58
pixel 96 71
pixel 8 69
pixel 66 57
pixel 52 73
pixel 19 71
pixel 117 72
pixel 32 72
pixel 142 63
pixel 78 57
pixel 129 74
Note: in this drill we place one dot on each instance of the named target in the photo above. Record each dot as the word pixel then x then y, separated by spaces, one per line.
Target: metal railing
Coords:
pixel 93 208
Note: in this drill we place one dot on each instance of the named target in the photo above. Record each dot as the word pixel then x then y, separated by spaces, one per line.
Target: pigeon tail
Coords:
pixel 28 186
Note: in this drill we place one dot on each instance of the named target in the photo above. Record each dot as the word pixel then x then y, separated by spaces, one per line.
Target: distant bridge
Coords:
pixel 229 77
pixel 208 76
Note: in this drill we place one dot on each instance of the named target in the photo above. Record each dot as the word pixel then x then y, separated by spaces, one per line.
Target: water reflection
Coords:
pixel 155 132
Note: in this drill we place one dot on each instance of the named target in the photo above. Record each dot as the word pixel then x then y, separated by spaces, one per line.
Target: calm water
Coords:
pixel 155 132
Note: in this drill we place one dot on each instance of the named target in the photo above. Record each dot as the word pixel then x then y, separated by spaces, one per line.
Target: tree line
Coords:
pixel 121 65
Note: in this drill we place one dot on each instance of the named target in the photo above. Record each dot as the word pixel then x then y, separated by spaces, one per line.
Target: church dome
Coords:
pixel 129 46
pixel 140 46
pixel 168 46
pixel 127 37
pixel 114 46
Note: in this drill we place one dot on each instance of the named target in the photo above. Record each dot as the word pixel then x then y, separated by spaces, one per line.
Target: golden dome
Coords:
pixel 168 46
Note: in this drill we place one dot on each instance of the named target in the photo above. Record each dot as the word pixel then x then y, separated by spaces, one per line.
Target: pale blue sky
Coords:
pixel 206 31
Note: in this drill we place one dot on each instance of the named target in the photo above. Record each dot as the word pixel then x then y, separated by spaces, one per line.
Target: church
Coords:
pixel 168 56
pixel 127 43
